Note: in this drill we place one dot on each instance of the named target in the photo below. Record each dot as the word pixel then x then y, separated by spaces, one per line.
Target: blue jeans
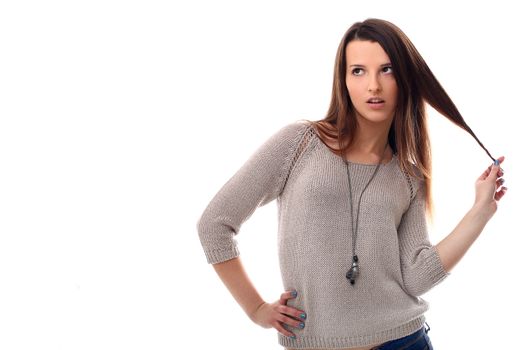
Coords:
pixel 416 341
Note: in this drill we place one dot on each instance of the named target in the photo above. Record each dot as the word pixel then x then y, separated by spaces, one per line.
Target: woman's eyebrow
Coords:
pixel 361 65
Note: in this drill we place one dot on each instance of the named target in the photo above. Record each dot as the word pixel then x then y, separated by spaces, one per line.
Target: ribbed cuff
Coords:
pixel 434 267
pixel 215 256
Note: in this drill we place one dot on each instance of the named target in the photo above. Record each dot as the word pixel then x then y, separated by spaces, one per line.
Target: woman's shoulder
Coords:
pixel 293 132
pixel 413 176
pixel 297 126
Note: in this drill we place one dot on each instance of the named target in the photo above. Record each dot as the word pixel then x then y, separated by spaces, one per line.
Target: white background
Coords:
pixel 121 119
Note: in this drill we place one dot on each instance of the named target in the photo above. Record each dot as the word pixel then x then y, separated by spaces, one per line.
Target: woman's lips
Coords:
pixel 376 105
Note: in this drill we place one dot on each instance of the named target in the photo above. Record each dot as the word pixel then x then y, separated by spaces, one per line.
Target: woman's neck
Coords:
pixel 369 145
pixel 370 155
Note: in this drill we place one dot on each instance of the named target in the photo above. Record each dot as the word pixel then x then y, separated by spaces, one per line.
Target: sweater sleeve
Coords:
pixel 421 266
pixel 259 181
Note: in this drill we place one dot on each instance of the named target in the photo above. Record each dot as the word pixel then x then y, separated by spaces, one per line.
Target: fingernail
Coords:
pixel 303 316
pixel 502 180
pixel 496 162
pixel 294 294
pixel 301 325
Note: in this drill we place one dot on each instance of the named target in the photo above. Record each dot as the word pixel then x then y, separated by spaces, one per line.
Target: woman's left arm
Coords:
pixel 489 191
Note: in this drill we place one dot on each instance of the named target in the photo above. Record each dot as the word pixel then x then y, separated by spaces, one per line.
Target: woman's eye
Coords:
pixel 359 71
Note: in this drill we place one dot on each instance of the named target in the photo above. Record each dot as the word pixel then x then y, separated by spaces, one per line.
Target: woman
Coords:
pixel 353 193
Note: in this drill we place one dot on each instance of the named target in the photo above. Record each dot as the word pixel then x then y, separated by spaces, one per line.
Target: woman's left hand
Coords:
pixel 490 189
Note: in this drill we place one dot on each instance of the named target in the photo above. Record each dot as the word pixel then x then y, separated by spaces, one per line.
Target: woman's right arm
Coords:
pixel 259 181
pixel 234 277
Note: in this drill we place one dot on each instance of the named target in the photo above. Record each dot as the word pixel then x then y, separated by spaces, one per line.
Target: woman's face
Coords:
pixel 369 75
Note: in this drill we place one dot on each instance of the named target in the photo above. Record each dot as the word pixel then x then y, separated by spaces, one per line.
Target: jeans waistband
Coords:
pixel 407 339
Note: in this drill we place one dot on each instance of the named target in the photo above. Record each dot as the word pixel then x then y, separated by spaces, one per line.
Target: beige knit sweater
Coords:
pixel 397 262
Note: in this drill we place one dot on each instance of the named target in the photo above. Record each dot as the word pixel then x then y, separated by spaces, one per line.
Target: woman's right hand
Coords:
pixel 278 313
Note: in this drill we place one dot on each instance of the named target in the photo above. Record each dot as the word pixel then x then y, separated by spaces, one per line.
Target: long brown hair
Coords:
pixel 408 135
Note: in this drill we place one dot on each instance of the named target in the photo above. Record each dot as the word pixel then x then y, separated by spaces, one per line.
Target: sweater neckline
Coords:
pixel 325 148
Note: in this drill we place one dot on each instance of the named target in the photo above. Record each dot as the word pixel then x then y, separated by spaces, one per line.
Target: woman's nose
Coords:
pixel 373 85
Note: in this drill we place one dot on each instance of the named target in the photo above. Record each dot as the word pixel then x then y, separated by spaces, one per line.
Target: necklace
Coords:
pixel 353 273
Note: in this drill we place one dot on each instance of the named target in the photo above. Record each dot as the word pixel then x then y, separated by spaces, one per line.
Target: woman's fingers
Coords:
pixel 490 185
pixel 290 311
pixel 500 193
pixel 277 325
pixel 287 295
pixel 284 309
pixel 497 173
pixel 289 315
pixel 290 321
pixel 488 171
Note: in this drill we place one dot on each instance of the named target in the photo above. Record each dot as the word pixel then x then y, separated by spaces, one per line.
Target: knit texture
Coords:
pixel 397 261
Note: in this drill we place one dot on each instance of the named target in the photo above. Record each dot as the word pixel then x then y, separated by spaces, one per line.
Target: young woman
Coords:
pixel 353 194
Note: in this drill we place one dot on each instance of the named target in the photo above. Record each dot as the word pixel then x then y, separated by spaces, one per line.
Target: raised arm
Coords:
pixel 421 266
pixel 489 191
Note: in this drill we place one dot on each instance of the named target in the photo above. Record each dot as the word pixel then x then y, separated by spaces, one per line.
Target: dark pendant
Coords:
pixel 353 273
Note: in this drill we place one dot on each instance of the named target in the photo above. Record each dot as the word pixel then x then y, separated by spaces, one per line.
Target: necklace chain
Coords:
pixel 354 270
